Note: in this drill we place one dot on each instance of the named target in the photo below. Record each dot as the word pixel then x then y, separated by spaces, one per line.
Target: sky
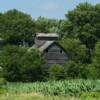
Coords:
pixel 45 8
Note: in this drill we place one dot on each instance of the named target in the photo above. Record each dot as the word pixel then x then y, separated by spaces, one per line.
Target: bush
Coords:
pixel 76 50
pixel 1 72
pixel 2 82
pixel 2 91
pixel 91 94
pixel 56 72
pixel 19 64
pixel 74 70
pixel 93 72
pixel 71 69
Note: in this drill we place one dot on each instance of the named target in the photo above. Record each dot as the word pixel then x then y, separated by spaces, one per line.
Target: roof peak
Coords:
pixel 47 35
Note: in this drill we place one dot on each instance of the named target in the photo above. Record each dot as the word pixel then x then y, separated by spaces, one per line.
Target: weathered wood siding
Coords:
pixel 55 55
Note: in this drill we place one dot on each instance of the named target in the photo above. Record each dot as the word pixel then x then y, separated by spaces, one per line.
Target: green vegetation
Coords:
pixel 91 94
pixel 66 87
pixel 41 97
pixel 52 90
pixel 56 72
pixel 77 79
pixel 32 96
pixel 3 82
pixel 79 34
pixel 21 65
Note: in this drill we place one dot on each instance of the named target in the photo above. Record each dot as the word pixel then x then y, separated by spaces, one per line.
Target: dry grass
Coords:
pixel 32 96
pixel 38 96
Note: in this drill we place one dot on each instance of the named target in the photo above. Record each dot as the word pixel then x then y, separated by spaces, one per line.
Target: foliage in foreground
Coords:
pixel 19 64
pixel 70 87
pixel 3 82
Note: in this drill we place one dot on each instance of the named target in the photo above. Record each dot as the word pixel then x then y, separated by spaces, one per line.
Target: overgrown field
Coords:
pixel 52 90
pixel 66 87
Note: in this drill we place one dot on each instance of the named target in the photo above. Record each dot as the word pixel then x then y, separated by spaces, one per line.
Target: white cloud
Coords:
pixel 49 6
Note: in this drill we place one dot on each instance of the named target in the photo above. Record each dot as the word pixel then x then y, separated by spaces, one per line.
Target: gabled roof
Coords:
pixel 46 43
pixel 47 35
pixel 45 46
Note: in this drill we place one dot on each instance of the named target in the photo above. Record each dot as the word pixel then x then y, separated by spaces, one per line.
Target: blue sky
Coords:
pixel 45 8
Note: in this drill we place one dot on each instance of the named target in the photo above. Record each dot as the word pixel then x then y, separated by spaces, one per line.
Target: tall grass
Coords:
pixel 70 87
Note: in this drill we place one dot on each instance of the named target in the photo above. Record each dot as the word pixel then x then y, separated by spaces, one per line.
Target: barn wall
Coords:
pixel 55 55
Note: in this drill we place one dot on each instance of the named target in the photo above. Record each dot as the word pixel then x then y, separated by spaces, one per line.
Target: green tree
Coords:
pixel 92 71
pixel 83 22
pixel 96 57
pixel 76 50
pixel 17 28
pixel 20 65
pixel 46 25
pixel 74 70
pixel 11 63
pixel 32 66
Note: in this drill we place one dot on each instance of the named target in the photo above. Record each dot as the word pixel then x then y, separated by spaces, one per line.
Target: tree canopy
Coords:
pixel 79 35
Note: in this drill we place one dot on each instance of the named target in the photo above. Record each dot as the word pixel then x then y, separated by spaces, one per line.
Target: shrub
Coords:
pixel 93 72
pixel 56 72
pixel 74 70
pixel 91 94
pixel 77 51
pixel 2 91
pixel 2 82
pixel 19 64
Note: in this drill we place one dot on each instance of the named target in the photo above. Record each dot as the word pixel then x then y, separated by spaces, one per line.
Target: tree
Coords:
pixel 74 70
pixel 76 50
pixel 96 55
pixel 32 66
pixel 83 22
pixel 46 25
pixel 10 61
pixel 20 65
pixel 17 28
pixel 92 71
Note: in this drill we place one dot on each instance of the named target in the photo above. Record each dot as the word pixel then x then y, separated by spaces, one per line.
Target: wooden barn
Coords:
pixel 52 51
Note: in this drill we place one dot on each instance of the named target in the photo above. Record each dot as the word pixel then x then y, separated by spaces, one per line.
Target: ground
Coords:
pixel 38 96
